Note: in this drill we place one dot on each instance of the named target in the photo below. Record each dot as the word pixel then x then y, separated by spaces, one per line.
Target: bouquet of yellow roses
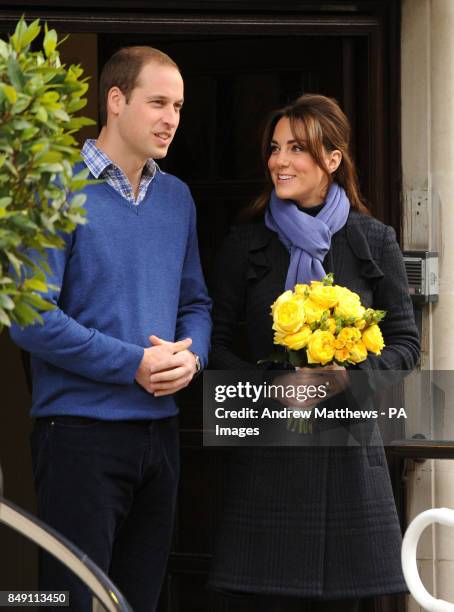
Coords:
pixel 325 324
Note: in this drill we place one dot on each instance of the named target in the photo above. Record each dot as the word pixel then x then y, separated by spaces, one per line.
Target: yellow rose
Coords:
pixel 360 324
pixel 342 354
pixel 313 311
pixel 358 352
pixel 301 289
pixel 287 295
pixel 373 339
pixel 288 313
pixel 279 338
pixel 320 348
pixel 325 296
pixel 347 337
pixel 297 341
pixel 349 305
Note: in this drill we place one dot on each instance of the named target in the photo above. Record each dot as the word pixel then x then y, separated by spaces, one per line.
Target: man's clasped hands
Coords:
pixel 166 367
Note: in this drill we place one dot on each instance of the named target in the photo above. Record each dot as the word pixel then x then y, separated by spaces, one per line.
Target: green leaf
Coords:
pixel 30 133
pixel 41 114
pixel 38 302
pixel 10 93
pixel 16 38
pixel 22 103
pixel 76 105
pixel 6 301
pixel 37 147
pixel 78 200
pixel 77 122
pixel 25 314
pixel 14 262
pixel 4 49
pixel 62 115
pixel 50 97
pixel 50 42
pixel 11 167
pixel 50 168
pixel 15 73
pixel 32 32
pixel 4 318
pixel 329 279
pixel 35 284
pixel 21 124
pixel 5 201
pixel 49 157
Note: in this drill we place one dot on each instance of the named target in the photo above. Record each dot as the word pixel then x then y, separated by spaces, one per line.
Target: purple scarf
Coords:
pixel 307 238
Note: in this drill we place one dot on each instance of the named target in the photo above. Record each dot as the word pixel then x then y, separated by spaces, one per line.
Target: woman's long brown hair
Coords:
pixel 318 124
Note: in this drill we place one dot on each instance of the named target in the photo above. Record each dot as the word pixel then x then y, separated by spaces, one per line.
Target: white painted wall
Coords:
pixel 428 182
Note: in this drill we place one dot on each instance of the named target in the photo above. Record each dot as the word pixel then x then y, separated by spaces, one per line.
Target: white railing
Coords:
pixel 410 569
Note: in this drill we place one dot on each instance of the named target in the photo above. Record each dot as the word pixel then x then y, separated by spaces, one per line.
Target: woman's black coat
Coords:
pixel 310 522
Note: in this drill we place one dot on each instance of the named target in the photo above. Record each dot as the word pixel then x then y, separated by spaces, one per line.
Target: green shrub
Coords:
pixel 38 191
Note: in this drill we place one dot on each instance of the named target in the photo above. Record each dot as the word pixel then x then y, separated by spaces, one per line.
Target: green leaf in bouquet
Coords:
pixel 379 315
pixel 323 320
pixel 328 279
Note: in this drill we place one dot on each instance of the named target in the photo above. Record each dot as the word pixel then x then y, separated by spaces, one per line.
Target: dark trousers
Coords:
pixel 110 488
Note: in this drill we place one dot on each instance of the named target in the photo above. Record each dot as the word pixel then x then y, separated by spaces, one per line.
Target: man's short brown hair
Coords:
pixel 122 71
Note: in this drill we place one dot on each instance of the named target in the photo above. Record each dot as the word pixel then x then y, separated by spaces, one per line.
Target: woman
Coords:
pixel 308 528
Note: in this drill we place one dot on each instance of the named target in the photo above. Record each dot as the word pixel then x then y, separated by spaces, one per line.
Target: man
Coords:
pixel 131 327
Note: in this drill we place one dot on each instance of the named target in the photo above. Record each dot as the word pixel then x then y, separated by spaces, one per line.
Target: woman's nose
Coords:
pixel 282 159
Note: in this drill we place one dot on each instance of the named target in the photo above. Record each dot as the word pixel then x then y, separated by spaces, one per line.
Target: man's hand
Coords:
pixel 171 380
pixel 160 358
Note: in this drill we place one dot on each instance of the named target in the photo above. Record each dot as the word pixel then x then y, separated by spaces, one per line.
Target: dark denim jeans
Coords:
pixel 110 488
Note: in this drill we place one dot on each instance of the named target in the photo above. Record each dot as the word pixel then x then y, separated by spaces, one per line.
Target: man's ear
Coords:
pixel 335 158
pixel 115 100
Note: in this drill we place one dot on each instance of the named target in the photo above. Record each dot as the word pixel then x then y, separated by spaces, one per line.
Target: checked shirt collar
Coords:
pixel 101 166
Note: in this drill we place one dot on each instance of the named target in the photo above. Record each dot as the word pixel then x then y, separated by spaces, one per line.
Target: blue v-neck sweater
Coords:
pixel 130 272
